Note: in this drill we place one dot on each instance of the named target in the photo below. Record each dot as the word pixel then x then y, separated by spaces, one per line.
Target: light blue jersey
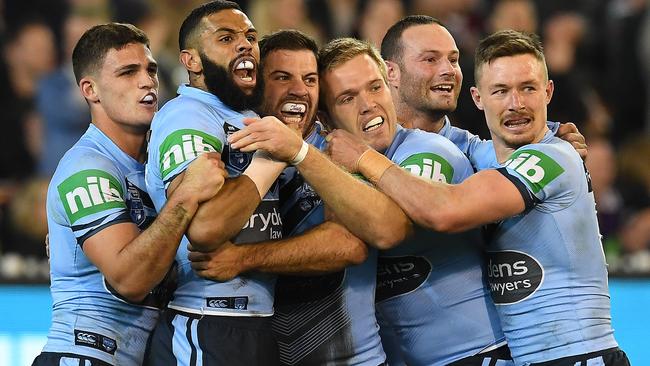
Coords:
pixel 431 290
pixel 328 319
pixel 479 152
pixel 190 124
pixel 546 267
pixel 96 185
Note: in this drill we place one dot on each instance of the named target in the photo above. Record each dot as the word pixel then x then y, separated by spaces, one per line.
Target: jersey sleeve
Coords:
pixel 432 157
pixel 182 134
pixel 545 173
pixel 479 152
pixel 90 196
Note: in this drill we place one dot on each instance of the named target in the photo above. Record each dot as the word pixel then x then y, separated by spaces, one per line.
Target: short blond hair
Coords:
pixel 342 50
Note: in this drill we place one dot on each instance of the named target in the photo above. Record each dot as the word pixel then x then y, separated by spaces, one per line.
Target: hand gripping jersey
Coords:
pixel 96 185
pixel 431 290
pixel 546 268
pixel 190 124
pixel 328 319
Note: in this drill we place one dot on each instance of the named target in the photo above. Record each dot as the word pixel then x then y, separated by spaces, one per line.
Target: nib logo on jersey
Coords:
pixel 184 145
pixel 88 192
pixel 513 276
pixel 429 166
pixel 537 168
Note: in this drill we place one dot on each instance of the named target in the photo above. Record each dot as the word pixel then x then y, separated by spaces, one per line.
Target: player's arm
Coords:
pixel 222 217
pixel 366 212
pixel 485 197
pixel 133 262
pixel 474 147
pixel 325 248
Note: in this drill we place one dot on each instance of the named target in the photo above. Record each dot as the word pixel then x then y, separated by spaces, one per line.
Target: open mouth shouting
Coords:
pixel 293 112
pixel 244 71
pixel 373 124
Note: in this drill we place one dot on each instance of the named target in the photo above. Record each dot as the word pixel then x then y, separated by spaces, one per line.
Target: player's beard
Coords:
pixel 220 82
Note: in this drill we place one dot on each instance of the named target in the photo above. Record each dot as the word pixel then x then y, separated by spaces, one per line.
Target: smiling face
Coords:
pixel 291 86
pixel 514 91
pixel 126 87
pixel 229 40
pixel 430 76
pixel 359 101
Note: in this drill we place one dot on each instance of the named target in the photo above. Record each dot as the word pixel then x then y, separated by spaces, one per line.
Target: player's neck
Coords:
pixel 412 118
pixel 129 139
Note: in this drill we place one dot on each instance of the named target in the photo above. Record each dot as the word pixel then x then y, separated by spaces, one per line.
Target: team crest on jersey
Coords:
pixel 183 145
pixel 537 168
pixel 429 166
pixel 513 276
pixel 139 204
pixel 235 159
pixel 88 192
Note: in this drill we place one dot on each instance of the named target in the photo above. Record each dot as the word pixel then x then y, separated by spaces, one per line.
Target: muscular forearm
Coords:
pixel 326 248
pixel 483 198
pixel 366 212
pixel 222 217
pixel 144 262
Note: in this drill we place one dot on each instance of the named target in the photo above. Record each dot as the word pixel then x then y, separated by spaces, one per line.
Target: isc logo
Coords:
pixel 184 145
pixel 88 192
pixel 429 166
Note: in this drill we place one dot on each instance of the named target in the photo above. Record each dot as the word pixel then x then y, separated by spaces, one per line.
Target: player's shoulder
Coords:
pixel 551 163
pixel 428 155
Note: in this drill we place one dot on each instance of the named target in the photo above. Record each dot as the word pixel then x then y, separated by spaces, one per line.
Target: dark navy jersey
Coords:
pixel 328 319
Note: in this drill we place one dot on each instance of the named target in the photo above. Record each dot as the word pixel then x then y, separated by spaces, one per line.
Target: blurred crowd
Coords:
pixel 598 53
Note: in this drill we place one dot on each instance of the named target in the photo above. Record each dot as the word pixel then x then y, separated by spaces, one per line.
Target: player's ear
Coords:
pixel 393 73
pixel 89 89
pixel 191 60
pixel 549 91
pixel 476 97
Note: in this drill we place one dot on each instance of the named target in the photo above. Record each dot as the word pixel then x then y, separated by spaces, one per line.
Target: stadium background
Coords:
pixel 598 53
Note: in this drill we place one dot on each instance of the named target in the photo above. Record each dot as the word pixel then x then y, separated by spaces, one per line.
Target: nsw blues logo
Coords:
pixel 140 205
pixel 235 159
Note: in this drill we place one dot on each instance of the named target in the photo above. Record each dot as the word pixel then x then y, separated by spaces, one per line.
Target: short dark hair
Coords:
pixel 193 20
pixel 91 49
pixel 287 39
pixel 506 43
pixel 391 44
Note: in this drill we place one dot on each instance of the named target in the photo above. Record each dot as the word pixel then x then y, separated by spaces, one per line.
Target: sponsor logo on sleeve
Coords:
pixel 429 166
pixel 88 192
pixel 513 276
pixel 183 145
pixel 537 168
pixel 95 340
pixel 237 303
pixel 399 275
